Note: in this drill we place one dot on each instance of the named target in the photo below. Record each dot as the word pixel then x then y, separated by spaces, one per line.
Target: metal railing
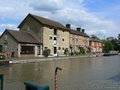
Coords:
pixel 1 81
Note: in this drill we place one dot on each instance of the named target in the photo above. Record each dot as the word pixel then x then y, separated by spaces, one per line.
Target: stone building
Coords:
pixel 35 34
pixel 18 42
pixel 78 38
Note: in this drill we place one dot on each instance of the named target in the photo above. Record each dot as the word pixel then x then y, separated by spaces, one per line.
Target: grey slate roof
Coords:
pixel 53 23
pixel 78 33
pixel 23 37
pixel 95 40
pixel 46 21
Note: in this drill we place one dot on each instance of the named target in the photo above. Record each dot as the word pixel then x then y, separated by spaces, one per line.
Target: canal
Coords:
pixel 98 73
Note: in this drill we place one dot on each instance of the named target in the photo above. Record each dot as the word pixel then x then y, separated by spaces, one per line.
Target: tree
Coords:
pixel 107 46
pixel 119 36
pixel 82 50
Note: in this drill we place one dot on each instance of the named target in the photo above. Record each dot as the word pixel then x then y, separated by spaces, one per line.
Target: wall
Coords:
pixel 47 33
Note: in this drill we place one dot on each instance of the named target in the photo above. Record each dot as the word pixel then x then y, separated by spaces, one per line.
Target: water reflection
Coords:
pixel 76 74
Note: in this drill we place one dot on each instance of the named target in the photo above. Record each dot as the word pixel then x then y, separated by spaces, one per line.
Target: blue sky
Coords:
pixel 99 17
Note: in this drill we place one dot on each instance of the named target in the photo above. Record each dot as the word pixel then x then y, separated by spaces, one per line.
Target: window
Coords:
pixel 63 39
pixel 50 37
pixel 46 47
pixel 0 48
pixel 55 31
pixel 27 49
pixel 59 48
pixel 55 38
pixel 6 35
pixel 28 28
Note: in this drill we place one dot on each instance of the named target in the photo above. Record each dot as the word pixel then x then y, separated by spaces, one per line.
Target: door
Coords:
pixel 55 51
pixel 0 48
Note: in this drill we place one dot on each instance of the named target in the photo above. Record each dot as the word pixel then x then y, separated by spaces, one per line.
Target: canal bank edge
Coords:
pixel 38 59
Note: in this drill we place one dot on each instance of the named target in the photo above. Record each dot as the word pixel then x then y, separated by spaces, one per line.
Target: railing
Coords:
pixel 1 81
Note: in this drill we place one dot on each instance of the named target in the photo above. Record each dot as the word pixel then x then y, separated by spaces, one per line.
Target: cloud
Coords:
pixel 91 22
pixel 49 5
pixel 8 26
pixel 64 11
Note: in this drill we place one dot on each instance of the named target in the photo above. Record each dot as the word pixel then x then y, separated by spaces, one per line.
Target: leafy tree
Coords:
pixel 82 50
pixel 119 36
pixel 107 46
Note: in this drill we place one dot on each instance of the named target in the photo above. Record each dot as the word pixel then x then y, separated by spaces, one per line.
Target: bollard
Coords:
pixel 1 81
pixel 34 86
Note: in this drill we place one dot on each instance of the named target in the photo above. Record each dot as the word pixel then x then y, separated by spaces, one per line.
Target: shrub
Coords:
pixel 82 50
pixel 46 52
pixel 76 53
pixel 66 51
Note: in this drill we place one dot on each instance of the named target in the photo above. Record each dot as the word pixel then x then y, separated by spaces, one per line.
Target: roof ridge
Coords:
pixel 46 18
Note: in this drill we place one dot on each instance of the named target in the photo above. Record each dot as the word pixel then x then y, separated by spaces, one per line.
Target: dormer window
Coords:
pixel 6 36
pixel 28 28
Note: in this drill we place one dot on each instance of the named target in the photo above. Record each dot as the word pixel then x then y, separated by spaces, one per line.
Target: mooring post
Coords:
pixel 56 79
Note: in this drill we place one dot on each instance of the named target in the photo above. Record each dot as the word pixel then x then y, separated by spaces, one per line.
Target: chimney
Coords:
pixel 68 26
pixel 83 30
pixel 78 29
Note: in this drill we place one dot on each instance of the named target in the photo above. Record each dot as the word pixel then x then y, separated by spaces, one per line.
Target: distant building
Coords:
pixel 78 38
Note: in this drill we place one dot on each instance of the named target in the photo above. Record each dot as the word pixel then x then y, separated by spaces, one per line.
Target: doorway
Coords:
pixel 55 51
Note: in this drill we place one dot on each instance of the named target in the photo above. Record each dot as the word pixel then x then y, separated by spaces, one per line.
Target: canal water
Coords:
pixel 98 73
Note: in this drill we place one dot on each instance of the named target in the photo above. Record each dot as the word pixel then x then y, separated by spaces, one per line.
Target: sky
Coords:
pixel 98 17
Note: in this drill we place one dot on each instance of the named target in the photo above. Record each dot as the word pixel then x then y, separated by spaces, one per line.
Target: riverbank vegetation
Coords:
pixel 111 44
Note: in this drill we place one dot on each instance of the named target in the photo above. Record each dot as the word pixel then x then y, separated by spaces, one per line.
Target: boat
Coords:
pixel 3 60
pixel 111 53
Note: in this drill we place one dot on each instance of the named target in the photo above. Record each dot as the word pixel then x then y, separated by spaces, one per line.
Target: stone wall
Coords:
pixel 62 40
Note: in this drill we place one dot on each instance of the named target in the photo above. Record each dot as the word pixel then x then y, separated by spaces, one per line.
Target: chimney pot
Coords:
pixel 68 26
pixel 83 30
pixel 78 29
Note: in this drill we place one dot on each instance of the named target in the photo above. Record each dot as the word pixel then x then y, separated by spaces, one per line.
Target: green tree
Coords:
pixel 82 50
pixel 107 46
pixel 119 36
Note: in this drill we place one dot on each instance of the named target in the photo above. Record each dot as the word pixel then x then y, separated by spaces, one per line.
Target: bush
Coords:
pixel 66 51
pixel 82 50
pixel 76 53
pixel 46 52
